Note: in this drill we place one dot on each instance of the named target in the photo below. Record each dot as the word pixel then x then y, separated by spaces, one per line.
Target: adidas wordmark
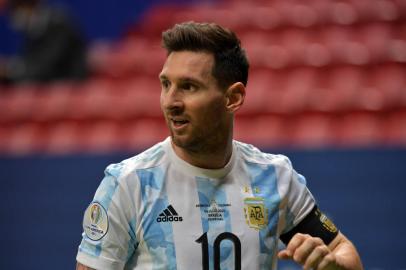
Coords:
pixel 169 215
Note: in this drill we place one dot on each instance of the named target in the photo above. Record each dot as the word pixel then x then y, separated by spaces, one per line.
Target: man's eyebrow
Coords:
pixel 190 80
pixel 163 77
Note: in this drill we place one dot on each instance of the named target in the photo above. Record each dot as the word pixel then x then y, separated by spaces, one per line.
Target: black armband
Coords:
pixel 315 224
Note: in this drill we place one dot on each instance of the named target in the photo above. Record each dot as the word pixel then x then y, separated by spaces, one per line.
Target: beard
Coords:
pixel 202 139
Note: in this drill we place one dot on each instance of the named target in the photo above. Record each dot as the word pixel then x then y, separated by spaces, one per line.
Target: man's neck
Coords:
pixel 215 159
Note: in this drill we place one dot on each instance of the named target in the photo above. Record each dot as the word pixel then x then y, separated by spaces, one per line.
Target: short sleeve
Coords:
pixel 108 239
pixel 298 199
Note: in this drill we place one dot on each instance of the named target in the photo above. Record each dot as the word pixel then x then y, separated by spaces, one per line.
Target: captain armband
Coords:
pixel 315 224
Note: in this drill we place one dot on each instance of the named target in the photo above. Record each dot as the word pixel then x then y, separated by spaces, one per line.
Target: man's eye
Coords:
pixel 165 84
pixel 189 87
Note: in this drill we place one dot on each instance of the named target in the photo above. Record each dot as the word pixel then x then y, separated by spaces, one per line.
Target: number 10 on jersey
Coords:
pixel 216 248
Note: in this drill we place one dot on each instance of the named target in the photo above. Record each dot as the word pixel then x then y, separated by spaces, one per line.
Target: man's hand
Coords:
pixel 310 252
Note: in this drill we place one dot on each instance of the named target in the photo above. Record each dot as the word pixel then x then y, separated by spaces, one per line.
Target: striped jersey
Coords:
pixel 155 211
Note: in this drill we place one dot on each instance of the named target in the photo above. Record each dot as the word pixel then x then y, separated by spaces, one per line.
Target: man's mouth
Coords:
pixel 178 123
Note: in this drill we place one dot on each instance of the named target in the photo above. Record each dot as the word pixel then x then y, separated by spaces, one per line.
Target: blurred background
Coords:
pixel 327 88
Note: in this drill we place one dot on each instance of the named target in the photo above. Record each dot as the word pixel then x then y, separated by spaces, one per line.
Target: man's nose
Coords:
pixel 172 99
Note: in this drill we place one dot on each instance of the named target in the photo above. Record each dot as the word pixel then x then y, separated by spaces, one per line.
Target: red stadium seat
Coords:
pixel 394 128
pixel 53 102
pixel 101 137
pixel 390 81
pixel 342 85
pixel 140 97
pixel 143 133
pixel 23 139
pixel 63 138
pixel 18 103
pixel 95 99
pixel 301 83
pixel 359 129
pixel 313 130
pixel 259 87
pixel 263 131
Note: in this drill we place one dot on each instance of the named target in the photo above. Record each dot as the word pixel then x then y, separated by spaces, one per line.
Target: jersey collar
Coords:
pixel 197 171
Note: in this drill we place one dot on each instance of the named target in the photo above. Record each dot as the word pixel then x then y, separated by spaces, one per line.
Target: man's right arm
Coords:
pixel 80 266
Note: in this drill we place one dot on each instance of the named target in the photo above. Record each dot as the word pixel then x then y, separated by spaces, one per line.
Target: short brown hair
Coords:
pixel 231 63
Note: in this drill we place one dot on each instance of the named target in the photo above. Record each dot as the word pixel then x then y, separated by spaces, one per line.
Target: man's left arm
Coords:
pixel 313 253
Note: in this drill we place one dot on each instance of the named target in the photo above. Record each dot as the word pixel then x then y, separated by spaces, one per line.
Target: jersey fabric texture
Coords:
pixel 155 211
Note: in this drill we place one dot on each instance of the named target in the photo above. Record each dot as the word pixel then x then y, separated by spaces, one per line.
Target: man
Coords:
pixel 53 47
pixel 199 199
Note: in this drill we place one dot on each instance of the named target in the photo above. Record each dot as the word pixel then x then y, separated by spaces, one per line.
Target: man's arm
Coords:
pixel 312 253
pixel 80 266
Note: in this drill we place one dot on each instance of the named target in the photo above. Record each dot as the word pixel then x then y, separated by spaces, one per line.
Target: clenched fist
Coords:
pixel 310 252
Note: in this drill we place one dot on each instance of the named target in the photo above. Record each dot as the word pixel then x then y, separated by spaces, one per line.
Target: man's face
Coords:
pixel 193 104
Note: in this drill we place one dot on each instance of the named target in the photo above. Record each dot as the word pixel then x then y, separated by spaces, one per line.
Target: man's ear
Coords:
pixel 235 96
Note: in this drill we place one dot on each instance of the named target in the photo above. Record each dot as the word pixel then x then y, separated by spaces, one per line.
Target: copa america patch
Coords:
pixel 95 221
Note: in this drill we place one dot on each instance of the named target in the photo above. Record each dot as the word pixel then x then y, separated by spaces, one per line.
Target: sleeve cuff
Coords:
pixel 98 262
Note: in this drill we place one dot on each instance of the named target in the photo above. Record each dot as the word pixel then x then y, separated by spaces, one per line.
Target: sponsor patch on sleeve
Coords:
pixel 95 221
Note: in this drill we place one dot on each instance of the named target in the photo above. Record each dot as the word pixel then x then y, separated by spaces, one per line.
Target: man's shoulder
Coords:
pixel 150 158
pixel 252 154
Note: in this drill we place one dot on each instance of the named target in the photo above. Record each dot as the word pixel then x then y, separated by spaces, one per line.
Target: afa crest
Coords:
pixel 327 223
pixel 256 215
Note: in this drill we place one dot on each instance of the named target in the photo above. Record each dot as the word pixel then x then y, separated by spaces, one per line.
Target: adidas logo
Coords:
pixel 169 215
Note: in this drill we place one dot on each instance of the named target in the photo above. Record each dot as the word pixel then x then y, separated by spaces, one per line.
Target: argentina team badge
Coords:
pixel 256 214
pixel 95 221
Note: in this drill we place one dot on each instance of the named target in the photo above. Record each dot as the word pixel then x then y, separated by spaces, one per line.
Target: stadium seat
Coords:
pixel 95 100
pixel 140 97
pixel 143 133
pixel 377 38
pixel 63 138
pixel 259 88
pixel 343 13
pixel 311 130
pixel 263 131
pixel 359 129
pixel 17 104
pixel 342 85
pixel 53 103
pixel 390 81
pixel 23 139
pixel 100 137
pixel 394 128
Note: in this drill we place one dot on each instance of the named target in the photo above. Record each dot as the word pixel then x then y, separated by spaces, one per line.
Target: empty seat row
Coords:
pixel 95 99
pixel 326 46
pixel 126 58
pixel 241 15
pixel 324 130
pixel 77 137
pixel 340 89
pixel 318 47
pixel 300 130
